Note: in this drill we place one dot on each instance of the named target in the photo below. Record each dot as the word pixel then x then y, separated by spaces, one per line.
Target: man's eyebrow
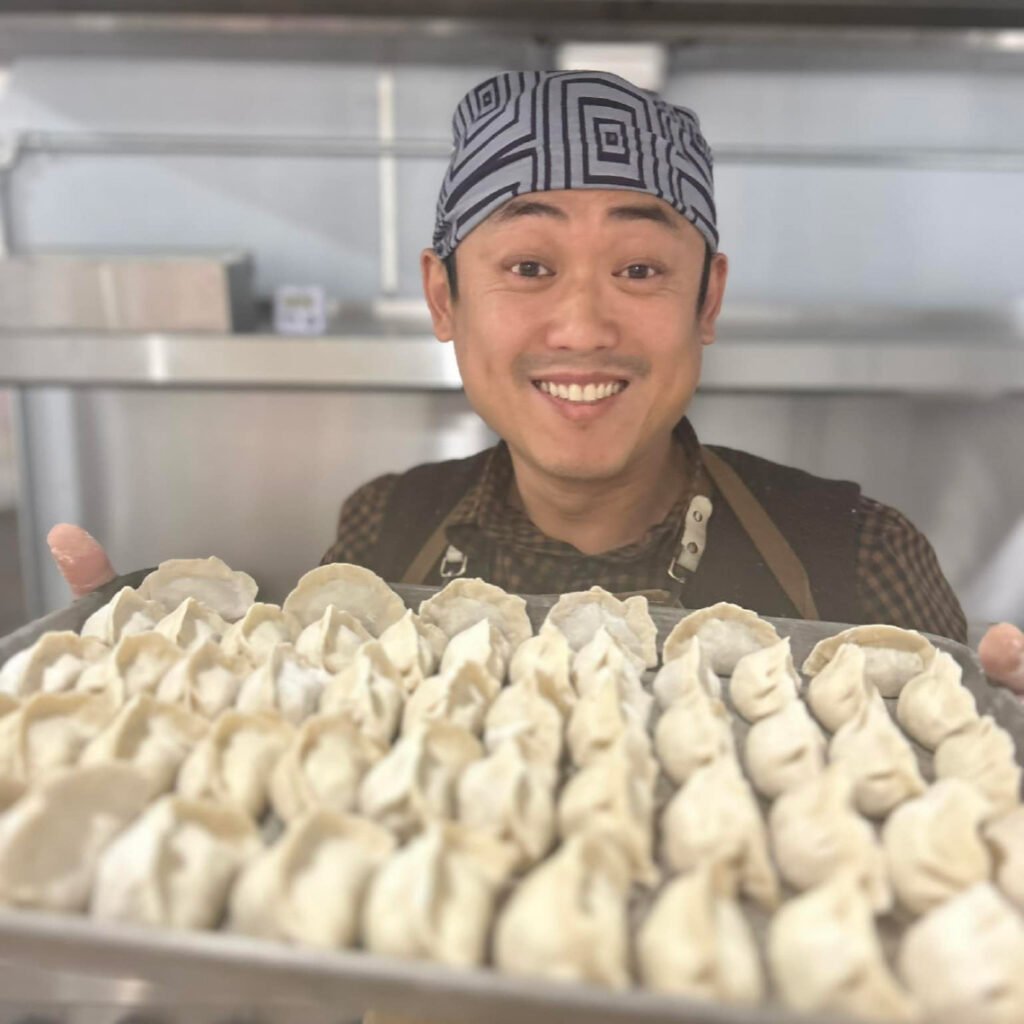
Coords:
pixel 517 208
pixel 643 211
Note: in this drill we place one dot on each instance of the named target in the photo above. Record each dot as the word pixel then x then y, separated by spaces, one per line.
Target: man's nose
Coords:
pixel 581 316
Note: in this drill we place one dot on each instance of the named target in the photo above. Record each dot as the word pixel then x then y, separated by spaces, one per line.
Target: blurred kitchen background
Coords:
pixel 211 328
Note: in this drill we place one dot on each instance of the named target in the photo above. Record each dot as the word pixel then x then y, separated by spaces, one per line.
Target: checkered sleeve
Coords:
pixel 898 576
pixel 360 522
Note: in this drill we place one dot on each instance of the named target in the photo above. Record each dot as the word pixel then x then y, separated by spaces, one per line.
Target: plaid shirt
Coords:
pixel 898 576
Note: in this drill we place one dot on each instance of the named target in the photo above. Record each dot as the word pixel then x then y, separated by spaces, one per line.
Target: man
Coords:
pixel 575 267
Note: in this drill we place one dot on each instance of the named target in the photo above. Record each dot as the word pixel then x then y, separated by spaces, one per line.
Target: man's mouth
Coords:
pixel 581 393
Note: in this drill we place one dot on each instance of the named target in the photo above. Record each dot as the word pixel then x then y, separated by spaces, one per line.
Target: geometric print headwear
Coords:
pixel 536 131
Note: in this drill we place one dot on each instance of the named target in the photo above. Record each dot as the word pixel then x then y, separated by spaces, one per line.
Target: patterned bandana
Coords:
pixel 536 131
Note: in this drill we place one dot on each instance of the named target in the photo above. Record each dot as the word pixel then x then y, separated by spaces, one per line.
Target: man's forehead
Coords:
pixel 564 206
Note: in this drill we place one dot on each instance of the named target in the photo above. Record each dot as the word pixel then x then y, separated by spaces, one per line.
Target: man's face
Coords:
pixel 576 326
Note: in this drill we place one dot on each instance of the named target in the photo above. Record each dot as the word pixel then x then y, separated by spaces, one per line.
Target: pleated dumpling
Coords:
pixel 687 672
pixel 174 865
pixel 523 717
pixel 350 588
pixel 727 633
pixel 333 640
pixel 715 817
pixel 764 681
pixel 370 691
pixel 308 887
pixel 964 960
pixel 784 749
pixel 286 683
pixel 464 602
pixel 580 616
pixel 934 846
pixel 825 955
pixel 205 681
pixel 71 815
pixel 603 659
pixel 544 663
pixel 434 898
pixel 893 656
pixel 191 624
pixel 567 919
pixel 414 647
pixel 209 580
pixel 483 645
pixel 136 665
pixel 1005 837
pixel 696 942
pixel 232 763
pixel 692 732
pixel 51 665
pixel 322 767
pixel 258 632
pixel 879 759
pixel 841 689
pixel 982 753
pixel 600 720
pixel 127 613
pixel 935 703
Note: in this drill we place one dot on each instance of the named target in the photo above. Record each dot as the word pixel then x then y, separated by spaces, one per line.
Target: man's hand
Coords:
pixel 80 558
pixel 1001 652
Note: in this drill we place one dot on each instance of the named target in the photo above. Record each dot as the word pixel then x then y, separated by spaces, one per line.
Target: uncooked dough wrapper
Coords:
pixel 544 663
pixel 935 704
pixel 715 817
pixel 136 665
pixel 983 753
pixel 783 750
pixel 332 641
pixel 893 656
pixel 286 683
pixel 151 736
pixel 694 731
pixel 71 816
pixel 764 681
pixel 603 659
pixel 351 588
pixel 600 720
pixel 696 942
pixel 322 767
pixel 11 791
pixel 192 624
pixel 464 602
pixel 205 681
pixel 934 846
pixel 567 919
pixel 965 959
pixel 841 689
pixel 174 866
pixel 825 955
pixel 414 647
pixel 687 672
pixel 258 632
pixel 127 613
pixel 370 690
pixel 232 763
pixel 460 696
pixel 1005 837
pixel 51 665
pixel 521 717
pixel 209 580
pixel 309 886
pixel 580 616
pixel 434 898
pixel 482 645
pixel 879 759
pixel 727 633
pixel 414 783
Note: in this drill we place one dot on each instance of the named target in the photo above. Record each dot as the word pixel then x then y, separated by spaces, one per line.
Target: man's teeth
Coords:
pixel 581 392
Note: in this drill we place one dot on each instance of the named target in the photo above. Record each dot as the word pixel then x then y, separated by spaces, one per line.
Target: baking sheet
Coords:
pixel 67 961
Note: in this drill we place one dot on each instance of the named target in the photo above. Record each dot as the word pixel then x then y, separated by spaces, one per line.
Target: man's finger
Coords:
pixel 1001 652
pixel 80 558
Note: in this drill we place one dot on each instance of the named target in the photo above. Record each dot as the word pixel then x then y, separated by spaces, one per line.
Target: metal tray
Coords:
pixel 71 969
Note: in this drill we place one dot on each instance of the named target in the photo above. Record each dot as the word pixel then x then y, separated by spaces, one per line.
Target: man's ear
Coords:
pixel 708 318
pixel 438 294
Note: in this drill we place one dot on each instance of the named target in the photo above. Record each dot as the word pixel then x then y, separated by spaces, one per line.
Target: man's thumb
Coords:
pixel 80 558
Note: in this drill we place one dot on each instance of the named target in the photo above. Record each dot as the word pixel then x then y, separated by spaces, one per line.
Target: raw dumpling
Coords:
pixel 461 696
pixel 601 719
pixel 934 847
pixel 309 886
pixel 464 602
pixel 693 732
pixel 209 580
pixel 135 665
pixel 580 616
pixel 11 790
pixel 567 920
pixel 51 665
pixel 726 632
pixel 696 942
pixel 893 656
pixel 370 690
pixel 174 866
pixel 715 817
pixel 152 736
pixel 1005 837
pixel 191 624
pixel 983 754
pixel 233 761
pixel 965 959
pixel 414 783
pixel 763 681
pixel 483 645
pixel 935 704
pixel 613 796
pixel 825 955
pixel 502 794
pixel 206 681
pixel 332 641
pixel 544 663
pixel 603 659
pixel 521 717
pixel 434 898
pixel 258 632
pixel 784 749
pixel 127 613
pixel 414 647
pixel 322 767
pixel 352 589
pixel 687 672
pixel 71 815
pixel 840 690
pixel 879 759
pixel 287 683
pixel 816 831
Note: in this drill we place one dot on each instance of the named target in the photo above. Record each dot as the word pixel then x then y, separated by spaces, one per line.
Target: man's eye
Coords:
pixel 530 268
pixel 640 271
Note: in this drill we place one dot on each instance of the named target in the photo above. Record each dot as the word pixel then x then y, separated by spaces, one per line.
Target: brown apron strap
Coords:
pixel 436 545
pixel 780 558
